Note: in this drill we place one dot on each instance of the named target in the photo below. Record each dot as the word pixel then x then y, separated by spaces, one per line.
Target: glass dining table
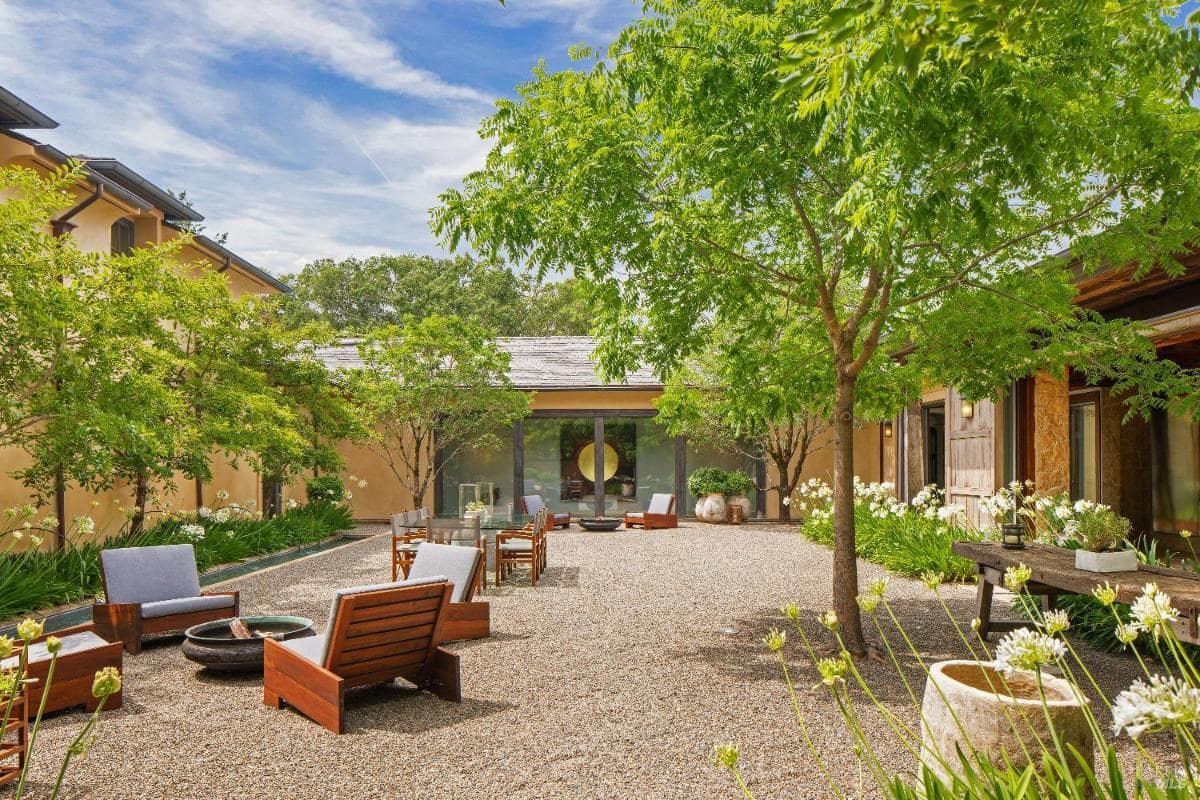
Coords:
pixel 489 526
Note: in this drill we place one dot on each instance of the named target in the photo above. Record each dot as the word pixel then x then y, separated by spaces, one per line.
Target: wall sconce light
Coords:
pixel 968 409
pixel 1012 535
pixel 887 429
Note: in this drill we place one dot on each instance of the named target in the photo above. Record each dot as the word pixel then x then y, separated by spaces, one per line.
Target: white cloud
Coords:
pixel 340 40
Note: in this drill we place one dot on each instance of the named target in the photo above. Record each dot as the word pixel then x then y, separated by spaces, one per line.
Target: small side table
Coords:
pixel 14 738
pixel 737 514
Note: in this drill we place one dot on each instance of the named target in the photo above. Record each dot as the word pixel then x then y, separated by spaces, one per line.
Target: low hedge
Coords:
pixel 908 544
pixel 37 579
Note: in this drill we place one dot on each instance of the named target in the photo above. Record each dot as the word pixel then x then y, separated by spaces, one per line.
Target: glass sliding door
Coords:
pixel 1084 437
pixel 644 463
pixel 559 462
pixel 483 467
pixel 1176 450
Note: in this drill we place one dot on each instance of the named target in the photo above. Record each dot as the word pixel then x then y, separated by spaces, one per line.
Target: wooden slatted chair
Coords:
pixel 659 514
pixel 405 540
pixel 464 567
pixel 154 590
pixel 526 546
pixel 374 635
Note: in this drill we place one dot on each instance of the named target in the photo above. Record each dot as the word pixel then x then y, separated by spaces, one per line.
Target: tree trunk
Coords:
pixel 272 489
pixel 845 565
pixel 141 489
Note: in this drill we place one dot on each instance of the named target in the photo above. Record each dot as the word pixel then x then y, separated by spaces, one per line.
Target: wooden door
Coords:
pixel 970 455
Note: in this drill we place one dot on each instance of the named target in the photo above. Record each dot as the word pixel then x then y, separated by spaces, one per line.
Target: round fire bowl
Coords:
pixel 600 523
pixel 213 645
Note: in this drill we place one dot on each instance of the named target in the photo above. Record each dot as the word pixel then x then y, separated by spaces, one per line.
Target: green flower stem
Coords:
pixel 76 746
pixel 808 742
pixel 737 776
pixel 866 751
pixel 37 722
pixel 17 678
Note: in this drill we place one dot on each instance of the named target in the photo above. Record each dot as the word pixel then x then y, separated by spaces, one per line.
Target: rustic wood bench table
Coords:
pixel 1054 575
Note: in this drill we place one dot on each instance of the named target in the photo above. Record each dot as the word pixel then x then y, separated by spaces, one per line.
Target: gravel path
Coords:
pixel 610 679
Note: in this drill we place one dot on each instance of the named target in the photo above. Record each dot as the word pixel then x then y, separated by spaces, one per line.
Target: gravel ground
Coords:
pixel 611 679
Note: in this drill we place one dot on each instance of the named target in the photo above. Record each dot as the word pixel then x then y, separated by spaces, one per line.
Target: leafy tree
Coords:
pixel 744 400
pixel 437 382
pixel 356 295
pixel 917 205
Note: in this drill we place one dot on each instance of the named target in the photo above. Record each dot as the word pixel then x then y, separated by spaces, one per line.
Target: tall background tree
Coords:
pixel 355 295
pixel 915 199
pixel 437 383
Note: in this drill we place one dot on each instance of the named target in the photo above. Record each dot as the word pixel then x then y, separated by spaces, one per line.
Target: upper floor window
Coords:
pixel 122 237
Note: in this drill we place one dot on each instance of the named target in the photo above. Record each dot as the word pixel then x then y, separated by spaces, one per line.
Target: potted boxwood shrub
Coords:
pixel 1099 532
pixel 737 485
pixel 708 484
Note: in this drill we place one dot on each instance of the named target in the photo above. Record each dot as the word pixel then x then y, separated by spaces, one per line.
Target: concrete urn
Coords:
pixel 711 507
pixel 744 502
pixel 993 718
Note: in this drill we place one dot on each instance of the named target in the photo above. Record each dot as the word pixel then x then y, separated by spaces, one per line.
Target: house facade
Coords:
pixel 116 210
pixel 580 427
pixel 1067 436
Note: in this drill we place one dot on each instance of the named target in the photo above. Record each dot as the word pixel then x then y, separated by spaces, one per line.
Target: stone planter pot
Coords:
pixel 744 502
pixel 996 720
pixel 711 507
pixel 1120 561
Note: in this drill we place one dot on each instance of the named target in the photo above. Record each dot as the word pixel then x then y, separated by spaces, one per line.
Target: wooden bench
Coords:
pixel 1054 575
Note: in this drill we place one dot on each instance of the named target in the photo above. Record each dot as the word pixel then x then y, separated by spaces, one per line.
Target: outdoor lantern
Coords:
pixel 1012 535
pixel 887 429
pixel 968 409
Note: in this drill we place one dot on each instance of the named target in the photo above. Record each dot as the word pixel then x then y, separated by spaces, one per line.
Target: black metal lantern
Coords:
pixel 1012 535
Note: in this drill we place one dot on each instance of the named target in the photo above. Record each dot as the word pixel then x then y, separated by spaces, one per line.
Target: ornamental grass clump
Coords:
pixel 14 685
pixel 1044 762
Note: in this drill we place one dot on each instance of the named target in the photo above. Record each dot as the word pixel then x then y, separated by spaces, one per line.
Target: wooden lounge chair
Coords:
pixel 83 653
pixel 464 567
pixel 154 590
pixel 374 635
pixel 532 504
pixel 465 532
pixel 526 546
pixel 659 514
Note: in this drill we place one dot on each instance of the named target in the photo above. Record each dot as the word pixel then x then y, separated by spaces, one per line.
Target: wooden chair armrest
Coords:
pixel 84 628
pixel 119 622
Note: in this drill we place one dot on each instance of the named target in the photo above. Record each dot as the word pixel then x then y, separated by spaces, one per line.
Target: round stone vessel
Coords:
pixel 994 711
pixel 213 645
pixel 711 507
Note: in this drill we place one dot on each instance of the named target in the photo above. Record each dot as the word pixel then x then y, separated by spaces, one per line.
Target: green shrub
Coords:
pixel 738 482
pixel 325 488
pixel 708 480
pixel 907 543
pixel 35 579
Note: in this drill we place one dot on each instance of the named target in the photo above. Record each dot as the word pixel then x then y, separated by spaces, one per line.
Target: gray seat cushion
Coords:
pixel 73 643
pixel 455 562
pixel 311 647
pixel 319 654
pixel 634 514
pixel 517 545
pixel 564 516
pixel 185 605
pixel 660 504
pixel 150 574
pixel 533 503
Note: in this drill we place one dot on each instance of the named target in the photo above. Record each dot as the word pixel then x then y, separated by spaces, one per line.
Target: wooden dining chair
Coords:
pixel 525 546
pixel 405 540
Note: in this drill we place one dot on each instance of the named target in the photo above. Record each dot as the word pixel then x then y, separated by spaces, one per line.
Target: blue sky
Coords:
pixel 304 129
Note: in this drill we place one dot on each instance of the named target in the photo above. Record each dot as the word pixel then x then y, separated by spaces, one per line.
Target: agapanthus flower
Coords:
pixel 1153 610
pixel 191 531
pixel 1126 634
pixel 29 629
pixel 1027 650
pixel 868 602
pixel 1056 622
pixel 106 682
pixel 774 640
pixel 829 620
pixel 1107 595
pixel 931 579
pixel 1016 577
pixel 1161 704
pixel 832 670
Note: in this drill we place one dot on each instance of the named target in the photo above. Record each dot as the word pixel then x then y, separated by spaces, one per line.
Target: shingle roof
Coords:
pixel 537 362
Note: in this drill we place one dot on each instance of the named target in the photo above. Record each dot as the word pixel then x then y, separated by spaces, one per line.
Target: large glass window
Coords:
pixel 645 463
pixel 560 462
pixel 480 466
pixel 1176 443
pixel 1084 433
pixel 121 237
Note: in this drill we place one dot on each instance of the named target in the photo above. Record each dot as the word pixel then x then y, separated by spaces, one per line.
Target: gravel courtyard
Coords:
pixel 612 678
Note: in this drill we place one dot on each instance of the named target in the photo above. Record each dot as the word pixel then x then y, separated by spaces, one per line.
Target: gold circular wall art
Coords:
pixel 587 462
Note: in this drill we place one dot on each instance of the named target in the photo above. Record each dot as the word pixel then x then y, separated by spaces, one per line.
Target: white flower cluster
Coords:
pixel 927 501
pixel 1027 650
pixel 812 499
pixel 1152 611
pixel 191 531
pixel 1162 704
